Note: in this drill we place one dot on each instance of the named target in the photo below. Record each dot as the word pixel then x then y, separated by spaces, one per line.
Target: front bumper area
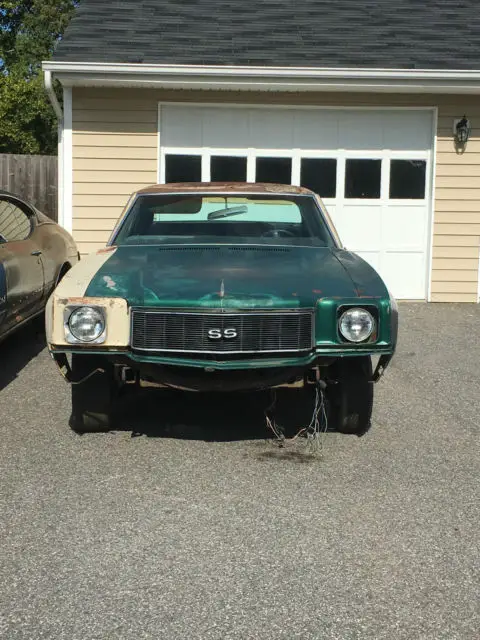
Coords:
pixel 214 375
pixel 233 363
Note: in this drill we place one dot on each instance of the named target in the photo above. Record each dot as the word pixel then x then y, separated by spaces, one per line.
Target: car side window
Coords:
pixel 15 224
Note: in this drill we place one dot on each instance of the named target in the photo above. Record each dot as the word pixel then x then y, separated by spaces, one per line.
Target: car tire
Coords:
pixel 350 395
pixel 93 394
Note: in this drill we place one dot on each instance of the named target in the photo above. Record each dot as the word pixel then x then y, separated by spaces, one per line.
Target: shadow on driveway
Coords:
pixel 19 348
pixel 220 417
pixel 165 413
pixel 211 417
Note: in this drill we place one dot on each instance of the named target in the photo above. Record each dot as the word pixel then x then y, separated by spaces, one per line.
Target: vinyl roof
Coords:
pixel 228 187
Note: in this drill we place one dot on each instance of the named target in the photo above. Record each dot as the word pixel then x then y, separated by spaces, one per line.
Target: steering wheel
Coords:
pixel 278 233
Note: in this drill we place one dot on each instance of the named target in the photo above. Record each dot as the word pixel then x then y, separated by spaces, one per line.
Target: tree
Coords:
pixel 29 31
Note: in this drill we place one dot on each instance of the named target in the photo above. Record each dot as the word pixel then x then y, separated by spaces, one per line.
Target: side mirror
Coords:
pixel 3 240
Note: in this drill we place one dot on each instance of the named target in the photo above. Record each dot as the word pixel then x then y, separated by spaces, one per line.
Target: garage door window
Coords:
pixel 228 169
pixel 319 175
pixel 274 170
pixel 407 179
pixel 179 168
pixel 362 178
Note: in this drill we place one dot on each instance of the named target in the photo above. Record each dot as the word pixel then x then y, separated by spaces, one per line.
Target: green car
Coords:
pixel 223 287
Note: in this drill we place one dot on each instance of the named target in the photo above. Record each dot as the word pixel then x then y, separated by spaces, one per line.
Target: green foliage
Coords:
pixel 29 31
pixel 27 120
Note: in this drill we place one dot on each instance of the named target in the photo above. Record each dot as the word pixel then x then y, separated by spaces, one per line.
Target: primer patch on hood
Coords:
pixel 75 283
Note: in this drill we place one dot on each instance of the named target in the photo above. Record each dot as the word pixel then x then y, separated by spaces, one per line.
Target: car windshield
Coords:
pixel 206 218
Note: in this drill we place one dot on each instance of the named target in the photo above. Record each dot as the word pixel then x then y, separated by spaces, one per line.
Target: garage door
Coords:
pixel 371 167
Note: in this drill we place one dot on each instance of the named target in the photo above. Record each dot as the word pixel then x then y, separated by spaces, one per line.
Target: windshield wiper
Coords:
pixel 226 213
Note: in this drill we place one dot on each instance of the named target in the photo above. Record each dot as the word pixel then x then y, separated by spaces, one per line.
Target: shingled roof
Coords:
pixel 400 34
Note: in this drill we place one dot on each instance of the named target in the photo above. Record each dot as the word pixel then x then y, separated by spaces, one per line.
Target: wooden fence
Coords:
pixel 34 178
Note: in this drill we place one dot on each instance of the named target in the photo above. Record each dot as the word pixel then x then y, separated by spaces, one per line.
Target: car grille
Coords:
pixel 254 332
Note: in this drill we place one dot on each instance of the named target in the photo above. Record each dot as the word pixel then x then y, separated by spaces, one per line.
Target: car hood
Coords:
pixel 232 276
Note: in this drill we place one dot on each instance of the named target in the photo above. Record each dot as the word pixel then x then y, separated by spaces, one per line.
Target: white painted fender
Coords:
pixel 71 292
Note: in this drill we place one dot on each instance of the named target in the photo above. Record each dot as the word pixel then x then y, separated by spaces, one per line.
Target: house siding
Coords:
pixel 115 152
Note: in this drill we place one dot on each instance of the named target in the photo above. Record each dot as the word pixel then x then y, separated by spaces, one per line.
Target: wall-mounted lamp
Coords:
pixel 461 130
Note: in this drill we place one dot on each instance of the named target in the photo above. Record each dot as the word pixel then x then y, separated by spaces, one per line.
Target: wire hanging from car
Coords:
pixel 314 432
pixel 277 431
pixel 317 429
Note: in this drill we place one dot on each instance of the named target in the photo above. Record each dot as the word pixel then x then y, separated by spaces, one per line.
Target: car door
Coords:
pixel 21 263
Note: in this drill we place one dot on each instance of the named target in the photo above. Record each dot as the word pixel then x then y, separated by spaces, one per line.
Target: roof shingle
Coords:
pixel 408 34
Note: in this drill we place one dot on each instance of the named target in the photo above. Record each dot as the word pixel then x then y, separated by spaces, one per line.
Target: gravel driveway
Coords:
pixel 196 527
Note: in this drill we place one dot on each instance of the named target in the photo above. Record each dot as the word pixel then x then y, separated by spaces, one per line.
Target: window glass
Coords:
pixel 14 223
pixel 319 175
pixel 183 168
pixel 362 178
pixel 407 179
pixel 228 169
pixel 270 219
pixel 277 170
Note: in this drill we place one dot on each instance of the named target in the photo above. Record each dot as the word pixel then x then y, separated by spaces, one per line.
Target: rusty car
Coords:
pixel 223 287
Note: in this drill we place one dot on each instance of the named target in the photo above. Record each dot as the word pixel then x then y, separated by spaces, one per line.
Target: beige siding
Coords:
pixel 452 264
pixel 460 217
pixel 115 152
pixel 93 224
pixel 452 252
pixel 456 237
pixel 455 240
pixel 454 287
pixel 105 188
pixel 458 169
pixel 452 297
pixel 107 153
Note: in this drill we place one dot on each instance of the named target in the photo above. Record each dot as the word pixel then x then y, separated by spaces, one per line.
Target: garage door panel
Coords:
pixel 271 129
pixel 404 274
pixel 404 227
pixel 334 214
pixel 181 127
pixel 360 227
pixel 359 131
pixel 410 130
pixel 332 211
pixel 225 128
pixel 316 130
pixel 372 257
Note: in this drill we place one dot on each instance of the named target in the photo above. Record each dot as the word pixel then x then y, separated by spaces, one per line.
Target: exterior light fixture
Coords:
pixel 461 130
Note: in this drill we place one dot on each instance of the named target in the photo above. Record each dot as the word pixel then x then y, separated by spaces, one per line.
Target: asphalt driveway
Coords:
pixel 189 524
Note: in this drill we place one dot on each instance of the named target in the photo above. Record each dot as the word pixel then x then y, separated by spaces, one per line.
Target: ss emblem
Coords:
pixel 226 334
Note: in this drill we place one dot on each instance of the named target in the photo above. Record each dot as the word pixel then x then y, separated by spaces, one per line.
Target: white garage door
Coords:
pixel 371 167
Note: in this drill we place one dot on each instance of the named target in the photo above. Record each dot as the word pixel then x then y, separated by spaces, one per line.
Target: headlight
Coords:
pixel 356 325
pixel 85 324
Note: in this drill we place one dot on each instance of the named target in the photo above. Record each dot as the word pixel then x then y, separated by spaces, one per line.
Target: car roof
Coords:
pixel 226 187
